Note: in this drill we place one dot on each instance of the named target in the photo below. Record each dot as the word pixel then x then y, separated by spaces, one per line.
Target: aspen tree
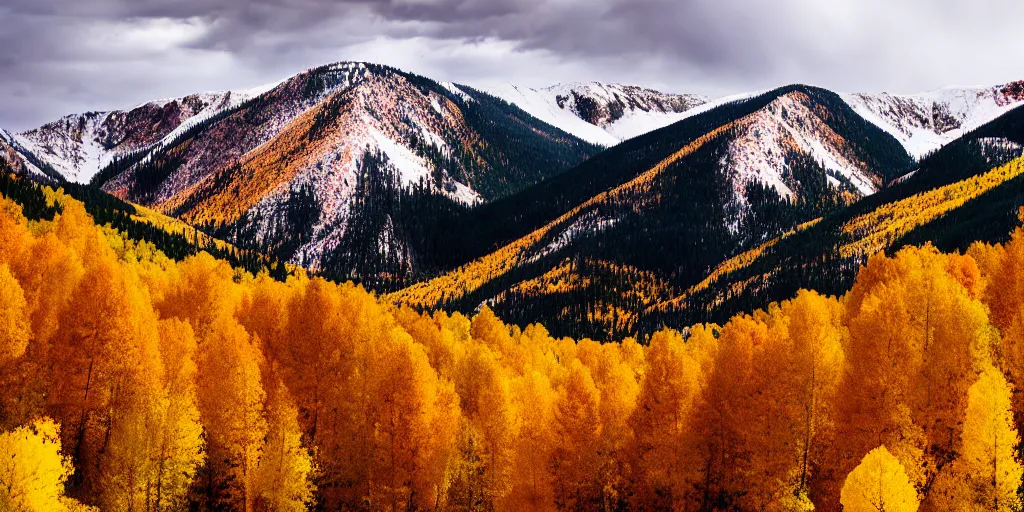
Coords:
pixel 879 483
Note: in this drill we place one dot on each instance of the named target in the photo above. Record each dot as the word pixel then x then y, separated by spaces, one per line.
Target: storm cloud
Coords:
pixel 64 56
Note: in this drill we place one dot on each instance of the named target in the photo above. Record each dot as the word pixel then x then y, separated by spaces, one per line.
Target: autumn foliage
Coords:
pixel 134 382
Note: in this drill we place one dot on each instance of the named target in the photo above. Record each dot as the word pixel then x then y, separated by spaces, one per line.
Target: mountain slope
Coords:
pixel 78 146
pixel 604 114
pixel 970 190
pixel 666 206
pixel 927 121
pixel 282 170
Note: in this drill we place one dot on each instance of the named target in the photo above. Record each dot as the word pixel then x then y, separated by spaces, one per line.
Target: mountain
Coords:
pixel 602 210
pixel 78 146
pixel 662 209
pixel 603 114
pixel 285 170
pixel 927 121
pixel 971 190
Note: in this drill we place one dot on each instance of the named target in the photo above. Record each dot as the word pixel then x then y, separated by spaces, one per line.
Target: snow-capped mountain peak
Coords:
pixel 600 113
pixel 926 121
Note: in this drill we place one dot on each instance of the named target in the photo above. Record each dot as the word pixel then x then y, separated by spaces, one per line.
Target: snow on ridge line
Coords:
pixel 456 90
pixel 539 105
pixel 542 104
pixel 900 114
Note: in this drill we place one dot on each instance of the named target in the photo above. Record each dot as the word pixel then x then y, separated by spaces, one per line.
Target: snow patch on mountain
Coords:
pixel 759 152
pixel 454 89
pixel 603 114
pixel 588 224
pixel 927 121
pixel 13 151
pixel 637 122
pixel 540 103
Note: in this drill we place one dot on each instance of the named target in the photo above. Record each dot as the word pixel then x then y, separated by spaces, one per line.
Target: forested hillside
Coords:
pixel 968 191
pixel 654 215
pixel 132 381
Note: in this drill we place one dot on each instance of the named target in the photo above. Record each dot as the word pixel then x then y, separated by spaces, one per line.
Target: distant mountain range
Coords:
pixel 600 209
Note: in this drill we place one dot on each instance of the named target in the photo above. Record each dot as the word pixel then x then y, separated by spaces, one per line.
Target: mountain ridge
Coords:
pixel 601 113
pixel 365 172
pixel 672 202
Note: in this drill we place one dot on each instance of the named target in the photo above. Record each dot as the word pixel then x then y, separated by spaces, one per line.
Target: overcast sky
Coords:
pixel 64 56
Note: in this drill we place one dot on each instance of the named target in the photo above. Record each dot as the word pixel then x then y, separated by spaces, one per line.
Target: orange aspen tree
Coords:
pixel 231 398
pixel 283 479
pixel 531 484
pixel 14 324
pixel 178 451
pixel 673 382
pixel 575 462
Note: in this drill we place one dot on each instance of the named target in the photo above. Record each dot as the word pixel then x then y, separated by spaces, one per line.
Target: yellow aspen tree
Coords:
pixel 48 274
pixel 725 415
pixel 765 415
pixel 884 357
pixel 105 341
pixel 1006 278
pixel 202 294
pixel 178 452
pixel 316 355
pixel 415 417
pixel 283 479
pixel 489 329
pixel 616 381
pixel 957 343
pixel 879 483
pixel 358 338
pixel 33 471
pixel 14 234
pixel 132 370
pixel 49 279
pixel 816 336
pixel 987 474
pixel 231 398
pixel 75 228
pixel 443 347
pixel 263 312
pixel 1003 268
pixel 14 325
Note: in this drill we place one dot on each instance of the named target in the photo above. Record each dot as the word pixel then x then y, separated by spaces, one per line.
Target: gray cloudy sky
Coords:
pixel 64 56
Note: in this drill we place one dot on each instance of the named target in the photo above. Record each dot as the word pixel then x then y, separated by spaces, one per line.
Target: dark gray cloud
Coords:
pixel 63 56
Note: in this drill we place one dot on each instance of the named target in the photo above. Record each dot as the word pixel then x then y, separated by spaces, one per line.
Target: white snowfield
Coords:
pixel 540 103
pixel 927 121
pixel 643 110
